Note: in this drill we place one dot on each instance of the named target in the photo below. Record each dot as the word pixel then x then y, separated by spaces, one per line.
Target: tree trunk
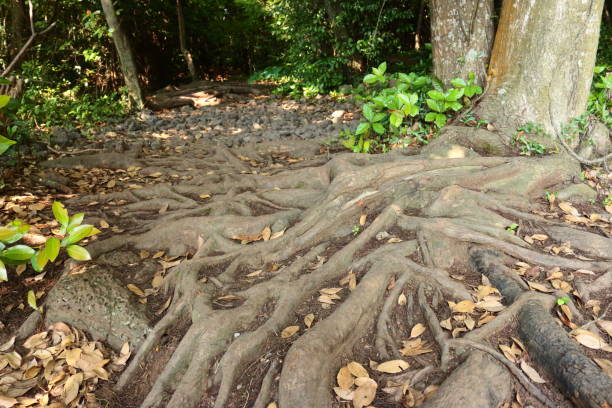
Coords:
pixel 126 58
pixel 18 27
pixel 461 37
pixel 183 41
pixel 542 62
pixel 417 32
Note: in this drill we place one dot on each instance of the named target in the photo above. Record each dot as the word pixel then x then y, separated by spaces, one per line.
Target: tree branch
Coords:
pixel 28 43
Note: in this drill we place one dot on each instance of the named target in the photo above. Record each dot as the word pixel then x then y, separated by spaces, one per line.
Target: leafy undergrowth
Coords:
pixel 56 368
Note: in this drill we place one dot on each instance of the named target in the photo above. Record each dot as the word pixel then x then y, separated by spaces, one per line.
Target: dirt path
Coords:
pixel 246 264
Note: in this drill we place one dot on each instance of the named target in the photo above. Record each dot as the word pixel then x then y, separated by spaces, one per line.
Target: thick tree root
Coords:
pixel 548 344
pixel 331 219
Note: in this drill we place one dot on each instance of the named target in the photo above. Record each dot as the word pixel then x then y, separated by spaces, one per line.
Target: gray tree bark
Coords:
pixel 461 38
pixel 542 62
pixel 183 42
pixel 126 57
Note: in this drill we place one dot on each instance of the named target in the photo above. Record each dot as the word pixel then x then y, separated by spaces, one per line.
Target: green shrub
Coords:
pixel 399 106
pixel 72 231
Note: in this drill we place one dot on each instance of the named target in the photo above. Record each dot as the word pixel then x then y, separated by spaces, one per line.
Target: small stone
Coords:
pixel 382 235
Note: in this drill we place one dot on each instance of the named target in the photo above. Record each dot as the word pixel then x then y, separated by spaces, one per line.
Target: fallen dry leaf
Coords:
pixel 532 373
pixel 568 208
pixel 289 331
pixel 344 393
pixel 606 365
pixel 414 348
pixel 309 319
pixel 417 330
pixel 589 339
pixel 357 369
pixel 604 324
pixel 539 287
pixel 392 366
pixel 136 290
pixel 465 306
pixel 345 379
pixel 365 393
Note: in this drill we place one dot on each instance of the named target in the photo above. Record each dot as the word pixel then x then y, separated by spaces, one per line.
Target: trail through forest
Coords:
pixel 247 263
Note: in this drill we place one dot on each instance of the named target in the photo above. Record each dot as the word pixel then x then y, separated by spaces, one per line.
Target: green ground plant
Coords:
pixel 404 106
pixel 71 232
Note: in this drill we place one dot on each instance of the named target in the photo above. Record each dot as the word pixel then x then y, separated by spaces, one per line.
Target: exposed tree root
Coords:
pixel 548 344
pixel 327 220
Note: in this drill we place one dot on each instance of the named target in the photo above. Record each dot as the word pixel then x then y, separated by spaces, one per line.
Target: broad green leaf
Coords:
pixel 4 100
pixel 404 78
pixel 75 221
pixel 412 111
pixel 78 253
pixel 368 113
pixel 405 99
pixel 382 68
pixel 18 253
pixel 396 119
pixel 452 105
pixel 472 90
pixel 471 76
pixel 440 120
pixel 362 128
pixel 52 248
pixel 434 105
pixel 370 79
pixel 437 95
pixel 366 146
pixel 379 116
pixel 454 94
pixel 430 117
pixel 39 260
pixel 458 83
pixel 6 233
pixel 60 213
pixel 77 234
pixel 3 275
pixel 32 299
pixel 378 128
pixel 5 143
pixel 359 147
pixel 379 100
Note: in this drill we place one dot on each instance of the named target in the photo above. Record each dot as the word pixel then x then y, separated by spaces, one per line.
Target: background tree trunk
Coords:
pixel 542 62
pixel 461 37
pixel 17 33
pixel 183 42
pixel 126 58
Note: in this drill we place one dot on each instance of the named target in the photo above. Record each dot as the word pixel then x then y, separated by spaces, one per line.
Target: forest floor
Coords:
pixel 247 262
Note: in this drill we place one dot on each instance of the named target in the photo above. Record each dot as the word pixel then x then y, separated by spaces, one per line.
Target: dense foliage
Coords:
pixel 400 108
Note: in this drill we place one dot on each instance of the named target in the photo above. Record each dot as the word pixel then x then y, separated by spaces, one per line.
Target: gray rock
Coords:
pixel 577 193
pixel 64 137
pixel 97 303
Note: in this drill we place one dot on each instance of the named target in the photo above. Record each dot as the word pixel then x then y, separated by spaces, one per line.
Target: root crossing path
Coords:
pixel 280 273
